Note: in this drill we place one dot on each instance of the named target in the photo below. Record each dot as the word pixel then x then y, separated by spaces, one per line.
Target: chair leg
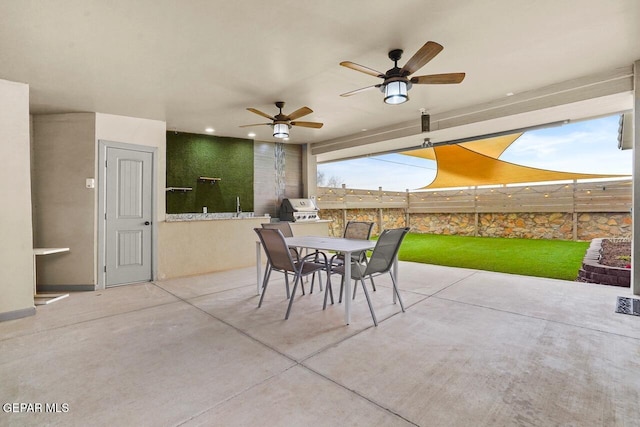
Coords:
pixel 366 294
pixel 286 283
pixel 293 294
pixel 265 280
pixel 328 291
pixel 341 290
pixel 373 285
pixel 313 279
pixel 301 284
pixel 316 259
pixel 395 288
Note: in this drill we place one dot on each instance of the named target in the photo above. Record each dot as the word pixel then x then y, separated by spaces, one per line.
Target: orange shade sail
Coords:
pixel 476 163
pixel 492 147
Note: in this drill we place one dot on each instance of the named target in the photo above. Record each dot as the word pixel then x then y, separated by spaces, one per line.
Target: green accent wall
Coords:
pixel 190 156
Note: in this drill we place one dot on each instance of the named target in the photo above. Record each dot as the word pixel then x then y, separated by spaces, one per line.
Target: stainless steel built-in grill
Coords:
pixel 298 210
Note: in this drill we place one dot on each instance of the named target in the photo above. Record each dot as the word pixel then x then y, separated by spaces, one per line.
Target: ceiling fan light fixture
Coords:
pixel 398 81
pixel 396 92
pixel 280 130
pixel 281 123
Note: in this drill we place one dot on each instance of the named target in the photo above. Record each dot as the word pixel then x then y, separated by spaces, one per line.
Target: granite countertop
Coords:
pixel 210 216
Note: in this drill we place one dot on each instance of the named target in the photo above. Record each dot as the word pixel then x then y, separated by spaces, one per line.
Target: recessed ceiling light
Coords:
pixel 209 130
pixel 285 139
pixel 510 94
pixel 364 130
pixel 251 134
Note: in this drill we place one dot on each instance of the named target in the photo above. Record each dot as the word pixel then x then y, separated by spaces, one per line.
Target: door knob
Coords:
pixel 147 223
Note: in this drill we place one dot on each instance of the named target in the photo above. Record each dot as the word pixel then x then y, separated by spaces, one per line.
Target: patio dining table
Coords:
pixel 324 243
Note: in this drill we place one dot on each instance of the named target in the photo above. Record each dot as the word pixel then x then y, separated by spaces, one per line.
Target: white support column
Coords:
pixel 635 215
pixel 309 173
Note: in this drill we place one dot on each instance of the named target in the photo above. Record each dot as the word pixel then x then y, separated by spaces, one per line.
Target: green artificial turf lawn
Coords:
pixel 557 259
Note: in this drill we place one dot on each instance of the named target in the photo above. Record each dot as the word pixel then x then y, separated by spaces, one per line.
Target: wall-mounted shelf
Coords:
pixel 208 179
pixel 183 189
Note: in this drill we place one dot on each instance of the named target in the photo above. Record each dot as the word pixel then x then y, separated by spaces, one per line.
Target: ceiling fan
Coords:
pixel 397 82
pixel 281 123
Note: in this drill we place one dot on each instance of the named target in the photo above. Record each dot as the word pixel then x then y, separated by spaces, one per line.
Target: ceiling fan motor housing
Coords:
pixel 395 74
pixel 281 122
pixel 395 79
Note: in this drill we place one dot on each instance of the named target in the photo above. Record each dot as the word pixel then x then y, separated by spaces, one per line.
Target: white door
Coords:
pixel 128 209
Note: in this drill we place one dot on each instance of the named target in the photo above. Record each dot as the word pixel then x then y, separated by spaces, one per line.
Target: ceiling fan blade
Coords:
pixel 256 124
pixel 353 92
pixel 260 113
pixel 425 54
pixel 299 113
pixel 362 69
pixel 438 79
pixel 314 125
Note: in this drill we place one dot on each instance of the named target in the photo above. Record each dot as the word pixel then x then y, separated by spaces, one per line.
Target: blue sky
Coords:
pixel 589 147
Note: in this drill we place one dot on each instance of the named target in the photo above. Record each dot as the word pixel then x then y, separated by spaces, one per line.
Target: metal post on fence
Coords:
pixel 574 213
pixel 380 223
pixel 406 211
pixel 475 211
pixel 344 209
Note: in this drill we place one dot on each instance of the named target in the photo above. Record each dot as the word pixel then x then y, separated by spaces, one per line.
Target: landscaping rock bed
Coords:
pixel 607 262
pixel 616 253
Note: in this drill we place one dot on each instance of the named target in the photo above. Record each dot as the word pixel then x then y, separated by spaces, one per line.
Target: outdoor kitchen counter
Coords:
pixel 318 227
pixel 190 244
pixel 199 245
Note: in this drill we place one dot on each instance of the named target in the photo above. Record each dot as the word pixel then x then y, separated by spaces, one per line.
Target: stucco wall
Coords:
pixel 64 209
pixel 16 249
pixel 65 150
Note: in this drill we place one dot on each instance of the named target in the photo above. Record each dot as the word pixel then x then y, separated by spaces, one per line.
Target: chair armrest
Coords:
pixel 357 269
pixel 313 257
pixel 337 259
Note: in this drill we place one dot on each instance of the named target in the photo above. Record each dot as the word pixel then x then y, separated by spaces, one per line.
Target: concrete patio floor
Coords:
pixel 473 348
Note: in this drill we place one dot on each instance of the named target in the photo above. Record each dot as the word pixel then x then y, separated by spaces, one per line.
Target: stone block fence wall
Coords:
pixel 575 211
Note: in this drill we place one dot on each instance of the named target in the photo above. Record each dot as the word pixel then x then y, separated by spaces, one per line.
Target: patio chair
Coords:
pixel 355 230
pixel 280 259
pixel 285 228
pixel 380 262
